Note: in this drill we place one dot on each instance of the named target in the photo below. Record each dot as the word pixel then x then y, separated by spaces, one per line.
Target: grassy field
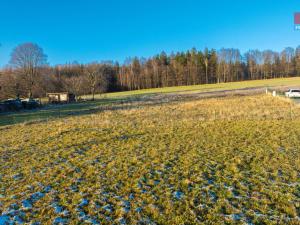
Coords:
pixel 295 81
pixel 119 98
pixel 234 160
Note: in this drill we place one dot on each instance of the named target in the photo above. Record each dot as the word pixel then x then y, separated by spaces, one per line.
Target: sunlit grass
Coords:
pixel 117 99
pixel 294 81
pixel 233 160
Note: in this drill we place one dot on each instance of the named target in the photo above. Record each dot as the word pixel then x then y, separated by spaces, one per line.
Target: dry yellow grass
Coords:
pixel 233 160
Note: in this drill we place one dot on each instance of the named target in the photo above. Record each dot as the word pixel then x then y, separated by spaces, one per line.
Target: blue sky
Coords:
pixel 90 30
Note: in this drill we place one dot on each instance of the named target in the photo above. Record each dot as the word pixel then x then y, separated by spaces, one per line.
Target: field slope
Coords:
pixel 116 100
pixel 234 160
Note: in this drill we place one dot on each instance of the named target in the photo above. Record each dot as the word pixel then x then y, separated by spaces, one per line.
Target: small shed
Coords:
pixel 62 97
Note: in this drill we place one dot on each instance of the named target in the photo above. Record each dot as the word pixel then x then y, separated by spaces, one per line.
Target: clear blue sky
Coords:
pixel 90 30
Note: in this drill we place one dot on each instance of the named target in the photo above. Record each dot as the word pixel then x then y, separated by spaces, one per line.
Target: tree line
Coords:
pixel 29 75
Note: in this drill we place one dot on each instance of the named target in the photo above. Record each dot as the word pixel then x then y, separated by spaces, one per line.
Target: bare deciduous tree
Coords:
pixel 10 84
pixel 27 59
pixel 75 85
pixel 96 76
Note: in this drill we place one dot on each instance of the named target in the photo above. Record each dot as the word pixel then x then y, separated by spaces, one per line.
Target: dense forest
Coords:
pixel 29 75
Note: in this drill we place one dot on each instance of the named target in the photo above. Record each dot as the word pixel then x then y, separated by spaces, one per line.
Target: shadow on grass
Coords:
pixel 50 112
pixel 114 103
pixel 61 111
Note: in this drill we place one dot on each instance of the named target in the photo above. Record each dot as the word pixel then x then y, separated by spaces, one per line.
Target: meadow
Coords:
pixel 117 99
pixel 231 160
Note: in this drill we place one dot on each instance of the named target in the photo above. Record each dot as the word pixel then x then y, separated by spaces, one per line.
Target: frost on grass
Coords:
pixel 172 163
